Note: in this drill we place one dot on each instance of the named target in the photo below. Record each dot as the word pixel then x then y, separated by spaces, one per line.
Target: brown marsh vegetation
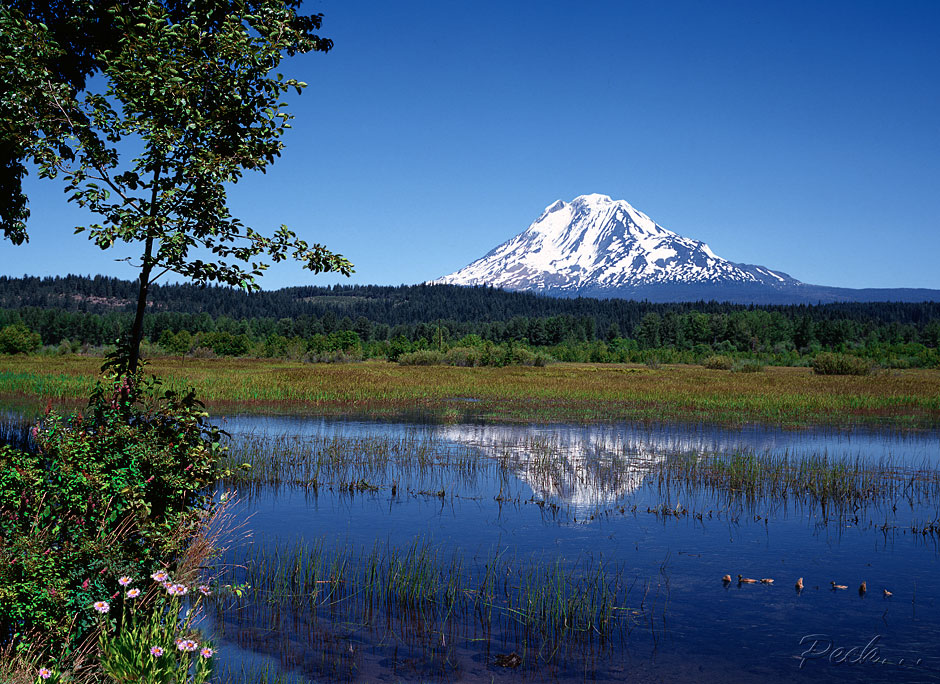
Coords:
pixel 561 392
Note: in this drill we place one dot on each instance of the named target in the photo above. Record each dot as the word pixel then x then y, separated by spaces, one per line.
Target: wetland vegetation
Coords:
pixel 477 550
pixel 410 551
pixel 561 392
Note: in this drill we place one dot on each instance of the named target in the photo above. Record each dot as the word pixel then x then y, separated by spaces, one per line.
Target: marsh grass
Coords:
pixel 836 485
pixel 348 463
pixel 256 674
pixel 566 392
pixel 597 475
pixel 14 431
pixel 419 590
pixel 839 483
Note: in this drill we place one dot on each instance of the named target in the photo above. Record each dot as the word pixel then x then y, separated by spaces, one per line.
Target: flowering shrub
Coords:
pixel 105 495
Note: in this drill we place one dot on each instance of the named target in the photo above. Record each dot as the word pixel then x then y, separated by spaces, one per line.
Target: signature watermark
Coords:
pixel 823 647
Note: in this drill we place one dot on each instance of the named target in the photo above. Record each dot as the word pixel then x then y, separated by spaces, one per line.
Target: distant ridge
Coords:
pixel 595 246
pixel 401 304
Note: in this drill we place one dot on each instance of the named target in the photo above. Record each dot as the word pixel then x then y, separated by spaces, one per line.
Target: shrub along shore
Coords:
pixel 785 396
pixel 106 522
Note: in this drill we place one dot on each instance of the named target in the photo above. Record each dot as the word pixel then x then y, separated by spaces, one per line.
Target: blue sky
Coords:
pixel 804 136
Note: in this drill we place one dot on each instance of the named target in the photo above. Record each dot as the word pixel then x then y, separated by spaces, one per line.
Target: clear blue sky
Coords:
pixel 804 136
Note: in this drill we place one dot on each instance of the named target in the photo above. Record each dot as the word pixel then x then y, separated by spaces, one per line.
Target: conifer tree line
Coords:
pixel 383 321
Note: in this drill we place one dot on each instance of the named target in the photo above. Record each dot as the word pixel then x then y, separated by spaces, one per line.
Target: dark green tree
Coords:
pixel 192 88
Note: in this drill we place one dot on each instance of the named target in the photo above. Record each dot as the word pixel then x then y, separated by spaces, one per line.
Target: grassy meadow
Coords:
pixel 560 392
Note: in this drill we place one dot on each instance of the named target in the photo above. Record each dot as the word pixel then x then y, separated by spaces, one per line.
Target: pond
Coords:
pixel 396 552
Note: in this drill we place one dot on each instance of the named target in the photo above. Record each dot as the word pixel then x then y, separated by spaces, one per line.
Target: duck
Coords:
pixel 838 586
pixel 746 580
pixel 799 584
pixel 888 593
pixel 862 588
pixel 767 580
pixel 726 579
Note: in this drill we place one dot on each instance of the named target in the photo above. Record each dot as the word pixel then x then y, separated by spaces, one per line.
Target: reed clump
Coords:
pixel 345 461
pixel 539 603
pixel 814 478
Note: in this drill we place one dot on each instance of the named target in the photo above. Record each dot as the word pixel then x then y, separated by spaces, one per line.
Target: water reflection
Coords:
pixel 908 448
pixel 582 471
pixel 478 491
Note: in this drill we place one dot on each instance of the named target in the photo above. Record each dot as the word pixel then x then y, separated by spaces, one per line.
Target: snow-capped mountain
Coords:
pixel 598 246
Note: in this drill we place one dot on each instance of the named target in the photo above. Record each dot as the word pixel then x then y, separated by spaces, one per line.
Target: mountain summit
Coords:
pixel 597 246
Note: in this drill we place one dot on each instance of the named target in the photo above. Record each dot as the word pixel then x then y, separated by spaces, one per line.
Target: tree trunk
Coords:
pixel 146 268
pixel 137 330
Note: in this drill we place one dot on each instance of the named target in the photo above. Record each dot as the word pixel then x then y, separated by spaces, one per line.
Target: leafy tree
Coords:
pixel 191 88
pixel 18 339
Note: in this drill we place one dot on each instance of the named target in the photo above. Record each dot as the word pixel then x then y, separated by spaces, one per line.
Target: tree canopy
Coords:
pixel 147 111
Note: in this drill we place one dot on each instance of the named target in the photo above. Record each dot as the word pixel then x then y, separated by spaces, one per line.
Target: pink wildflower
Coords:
pixel 45 672
pixel 160 576
pixel 156 651
pixel 204 590
pixel 133 593
pixel 206 652
pixel 124 581
pixel 101 606
pixel 187 645
pixel 85 584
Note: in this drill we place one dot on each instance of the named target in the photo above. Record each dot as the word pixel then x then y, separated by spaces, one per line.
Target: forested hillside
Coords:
pixel 95 311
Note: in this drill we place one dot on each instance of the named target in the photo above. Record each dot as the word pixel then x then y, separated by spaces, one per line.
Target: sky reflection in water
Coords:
pixel 594 507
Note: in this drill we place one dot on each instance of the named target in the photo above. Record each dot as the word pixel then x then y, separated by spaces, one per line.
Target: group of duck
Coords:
pixel 862 588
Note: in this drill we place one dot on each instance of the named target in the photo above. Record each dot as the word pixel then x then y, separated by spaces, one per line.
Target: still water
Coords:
pixel 579 498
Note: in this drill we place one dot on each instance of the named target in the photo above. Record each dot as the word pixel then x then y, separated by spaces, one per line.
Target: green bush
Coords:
pixel 422 357
pixel 542 359
pixel 110 493
pixel 828 363
pixel 747 366
pixel 177 344
pixel 520 356
pixel 224 343
pixel 718 363
pixel 463 356
pixel 18 339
